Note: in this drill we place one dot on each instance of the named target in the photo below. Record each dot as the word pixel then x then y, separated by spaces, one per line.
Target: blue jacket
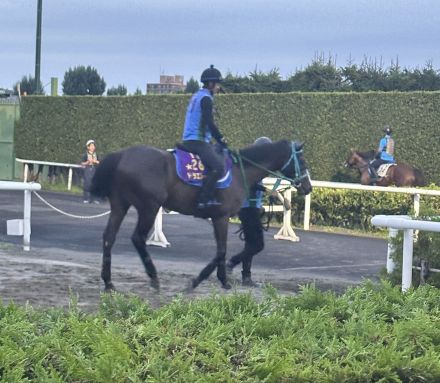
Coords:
pixel 256 195
pixel 193 128
pixel 386 148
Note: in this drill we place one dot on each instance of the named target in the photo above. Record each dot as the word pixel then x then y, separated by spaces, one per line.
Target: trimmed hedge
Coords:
pixel 56 128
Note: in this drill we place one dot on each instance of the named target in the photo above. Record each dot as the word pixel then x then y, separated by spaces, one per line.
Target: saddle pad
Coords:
pixel 191 170
pixel 382 171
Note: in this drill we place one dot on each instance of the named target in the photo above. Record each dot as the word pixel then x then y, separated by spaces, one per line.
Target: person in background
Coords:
pixel 198 131
pixel 89 161
pixel 250 216
pixel 384 153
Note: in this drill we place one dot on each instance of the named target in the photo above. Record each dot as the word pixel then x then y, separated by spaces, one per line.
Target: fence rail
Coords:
pixel 28 188
pixel 59 164
pixel 408 226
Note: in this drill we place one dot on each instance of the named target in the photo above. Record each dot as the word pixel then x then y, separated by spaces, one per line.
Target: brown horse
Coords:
pixel 146 178
pixel 400 174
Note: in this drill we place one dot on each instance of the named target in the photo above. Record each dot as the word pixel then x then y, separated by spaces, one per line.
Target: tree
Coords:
pixel 83 81
pixel 137 92
pixel 192 86
pixel 121 90
pixel 28 86
pixel 318 76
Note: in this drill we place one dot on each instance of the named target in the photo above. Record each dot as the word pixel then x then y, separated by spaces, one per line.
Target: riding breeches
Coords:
pixel 250 218
pixel 213 161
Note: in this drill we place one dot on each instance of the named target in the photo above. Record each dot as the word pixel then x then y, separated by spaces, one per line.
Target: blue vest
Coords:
pixel 255 200
pixel 383 146
pixel 193 129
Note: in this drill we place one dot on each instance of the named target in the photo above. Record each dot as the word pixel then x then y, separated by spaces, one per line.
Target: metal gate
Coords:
pixel 9 113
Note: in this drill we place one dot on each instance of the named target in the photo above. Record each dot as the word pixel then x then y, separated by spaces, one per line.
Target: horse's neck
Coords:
pixel 255 173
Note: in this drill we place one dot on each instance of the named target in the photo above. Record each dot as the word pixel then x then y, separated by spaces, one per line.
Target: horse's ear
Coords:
pixel 299 145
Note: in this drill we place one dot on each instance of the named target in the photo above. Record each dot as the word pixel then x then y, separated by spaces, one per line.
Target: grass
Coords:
pixel 371 333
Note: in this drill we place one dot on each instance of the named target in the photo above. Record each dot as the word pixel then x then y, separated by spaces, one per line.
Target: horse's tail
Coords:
pixel 419 178
pixel 103 178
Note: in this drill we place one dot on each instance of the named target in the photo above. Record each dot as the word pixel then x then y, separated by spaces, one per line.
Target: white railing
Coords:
pixel 26 223
pixel 59 164
pixel 286 232
pixel 408 226
pixel 349 186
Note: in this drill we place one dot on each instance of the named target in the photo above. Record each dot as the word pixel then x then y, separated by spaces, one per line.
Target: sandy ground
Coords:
pixel 44 279
pixel 65 258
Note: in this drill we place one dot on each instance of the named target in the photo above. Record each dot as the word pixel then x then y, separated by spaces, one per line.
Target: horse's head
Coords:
pixel 354 159
pixel 296 169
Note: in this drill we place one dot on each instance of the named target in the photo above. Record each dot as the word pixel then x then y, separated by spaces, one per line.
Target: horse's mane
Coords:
pixel 366 155
pixel 258 153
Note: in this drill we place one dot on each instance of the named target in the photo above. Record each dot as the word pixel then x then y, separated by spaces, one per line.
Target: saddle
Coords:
pixel 383 169
pixel 190 169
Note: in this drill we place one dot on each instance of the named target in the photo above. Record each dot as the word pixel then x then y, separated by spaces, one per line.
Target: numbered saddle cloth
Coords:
pixel 382 171
pixel 191 170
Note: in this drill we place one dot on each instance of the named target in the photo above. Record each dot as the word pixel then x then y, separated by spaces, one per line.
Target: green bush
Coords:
pixel 353 209
pixel 371 333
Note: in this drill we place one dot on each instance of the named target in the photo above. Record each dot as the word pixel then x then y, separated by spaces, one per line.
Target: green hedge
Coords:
pixel 353 209
pixel 56 128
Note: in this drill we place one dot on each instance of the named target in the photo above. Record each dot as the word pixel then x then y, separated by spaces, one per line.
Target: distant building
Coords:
pixel 7 97
pixel 167 84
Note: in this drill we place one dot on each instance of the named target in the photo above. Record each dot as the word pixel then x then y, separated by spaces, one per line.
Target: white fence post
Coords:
pixel 392 233
pixel 69 179
pixel 408 225
pixel 307 203
pixel 286 231
pixel 27 220
pixel 407 259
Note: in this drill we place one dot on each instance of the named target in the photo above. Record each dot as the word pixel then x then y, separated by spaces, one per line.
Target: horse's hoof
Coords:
pixel 226 285
pixel 194 283
pixel 155 284
pixel 109 288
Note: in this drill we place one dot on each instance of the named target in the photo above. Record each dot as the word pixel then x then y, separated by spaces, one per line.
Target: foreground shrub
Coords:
pixel 371 333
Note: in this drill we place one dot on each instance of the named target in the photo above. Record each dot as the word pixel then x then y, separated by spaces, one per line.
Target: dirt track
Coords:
pixel 65 258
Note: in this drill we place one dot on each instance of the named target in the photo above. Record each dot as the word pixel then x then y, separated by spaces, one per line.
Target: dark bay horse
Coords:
pixel 146 178
pixel 401 174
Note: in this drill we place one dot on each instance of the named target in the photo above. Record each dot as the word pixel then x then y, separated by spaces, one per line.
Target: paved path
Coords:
pixel 318 256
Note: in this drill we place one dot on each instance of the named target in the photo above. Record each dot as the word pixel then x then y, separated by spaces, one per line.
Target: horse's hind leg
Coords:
pixel 118 212
pixel 221 235
pixel 146 217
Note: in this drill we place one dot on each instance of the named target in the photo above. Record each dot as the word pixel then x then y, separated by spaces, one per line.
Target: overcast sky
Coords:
pixel 132 42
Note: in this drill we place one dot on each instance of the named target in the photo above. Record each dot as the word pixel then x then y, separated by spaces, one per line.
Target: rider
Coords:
pixel 384 154
pixel 250 217
pixel 198 130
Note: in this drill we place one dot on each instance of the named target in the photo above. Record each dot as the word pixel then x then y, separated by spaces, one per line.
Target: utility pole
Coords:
pixel 38 48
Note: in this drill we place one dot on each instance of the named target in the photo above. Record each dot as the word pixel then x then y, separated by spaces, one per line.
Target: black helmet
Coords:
pixel 262 140
pixel 211 74
pixel 387 130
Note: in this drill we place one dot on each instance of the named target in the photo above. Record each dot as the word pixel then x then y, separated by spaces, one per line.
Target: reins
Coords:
pixel 238 158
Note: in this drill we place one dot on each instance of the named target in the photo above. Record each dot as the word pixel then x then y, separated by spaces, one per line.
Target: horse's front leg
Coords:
pixel 113 224
pixel 221 236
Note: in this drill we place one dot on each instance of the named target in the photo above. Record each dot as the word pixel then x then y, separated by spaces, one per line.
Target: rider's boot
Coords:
pixel 206 197
pixel 373 174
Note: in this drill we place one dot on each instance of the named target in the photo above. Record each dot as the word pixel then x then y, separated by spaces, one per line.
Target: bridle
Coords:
pixel 294 161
